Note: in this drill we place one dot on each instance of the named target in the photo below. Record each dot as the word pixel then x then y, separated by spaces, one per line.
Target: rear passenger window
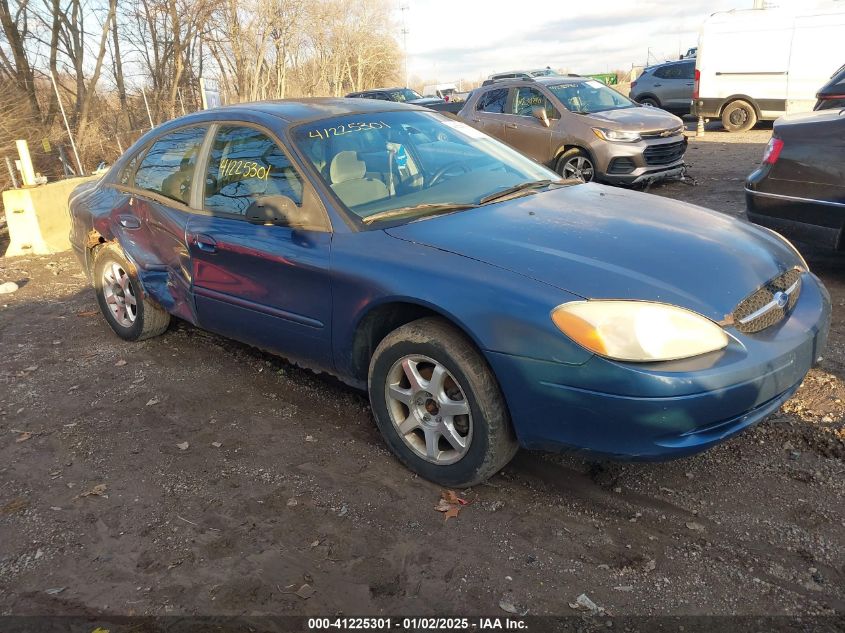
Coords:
pixel 245 164
pixel 688 71
pixel 493 101
pixel 168 167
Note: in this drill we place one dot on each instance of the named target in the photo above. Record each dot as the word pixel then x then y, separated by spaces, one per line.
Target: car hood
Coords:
pixel 601 242
pixel 640 119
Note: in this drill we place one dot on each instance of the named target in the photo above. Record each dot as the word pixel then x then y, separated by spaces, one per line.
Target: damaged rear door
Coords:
pixel 154 231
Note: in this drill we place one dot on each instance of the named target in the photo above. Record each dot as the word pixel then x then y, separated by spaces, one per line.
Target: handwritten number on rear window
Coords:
pixel 347 128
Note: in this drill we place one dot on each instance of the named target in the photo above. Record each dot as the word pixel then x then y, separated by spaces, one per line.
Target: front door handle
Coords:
pixel 205 243
pixel 129 222
pixel 657 85
pixel 511 126
pixel 476 120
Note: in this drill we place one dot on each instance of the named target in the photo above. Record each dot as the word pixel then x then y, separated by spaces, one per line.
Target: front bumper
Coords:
pixel 644 161
pixel 665 410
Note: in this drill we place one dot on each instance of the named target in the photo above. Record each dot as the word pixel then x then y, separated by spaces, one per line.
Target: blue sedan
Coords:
pixel 482 302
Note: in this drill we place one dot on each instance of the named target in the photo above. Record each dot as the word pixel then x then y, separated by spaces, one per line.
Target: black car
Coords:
pixel 401 95
pixel 799 189
pixel 832 94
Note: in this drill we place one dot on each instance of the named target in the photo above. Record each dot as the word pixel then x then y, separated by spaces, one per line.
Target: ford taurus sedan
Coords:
pixel 481 301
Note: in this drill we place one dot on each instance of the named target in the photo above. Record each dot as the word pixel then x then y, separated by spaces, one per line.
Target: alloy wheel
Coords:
pixel 428 408
pixel 578 167
pixel 119 295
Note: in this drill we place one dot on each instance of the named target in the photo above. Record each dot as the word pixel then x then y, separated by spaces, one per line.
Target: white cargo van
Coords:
pixel 759 64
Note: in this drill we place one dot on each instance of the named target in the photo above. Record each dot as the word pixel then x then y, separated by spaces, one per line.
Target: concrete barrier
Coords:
pixel 38 217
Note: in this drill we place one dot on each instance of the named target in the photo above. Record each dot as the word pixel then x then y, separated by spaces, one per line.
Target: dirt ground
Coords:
pixel 224 479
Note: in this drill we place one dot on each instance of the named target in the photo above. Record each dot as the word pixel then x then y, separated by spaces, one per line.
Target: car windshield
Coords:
pixel 404 94
pixel 408 165
pixel 586 97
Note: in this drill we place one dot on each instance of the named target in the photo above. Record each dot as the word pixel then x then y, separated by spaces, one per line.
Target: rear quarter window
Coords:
pixel 493 101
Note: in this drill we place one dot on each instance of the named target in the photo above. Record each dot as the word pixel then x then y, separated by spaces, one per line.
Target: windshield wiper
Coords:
pixel 435 208
pixel 523 186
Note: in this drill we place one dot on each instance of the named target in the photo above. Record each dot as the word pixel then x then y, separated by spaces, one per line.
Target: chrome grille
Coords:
pixel 769 304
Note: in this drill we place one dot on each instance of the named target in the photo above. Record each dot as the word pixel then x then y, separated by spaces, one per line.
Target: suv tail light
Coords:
pixel 772 152
pixel 697 81
pixel 633 85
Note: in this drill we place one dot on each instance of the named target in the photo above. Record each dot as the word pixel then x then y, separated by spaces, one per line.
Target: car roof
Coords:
pixel 297 110
pixel 499 83
pixel 691 60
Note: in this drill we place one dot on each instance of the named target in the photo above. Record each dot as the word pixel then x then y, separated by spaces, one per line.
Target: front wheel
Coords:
pixel 438 405
pixel 131 314
pixel 739 116
pixel 576 164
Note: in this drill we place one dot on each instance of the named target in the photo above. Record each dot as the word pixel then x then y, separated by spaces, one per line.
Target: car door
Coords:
pixel 489 112
pixel 525 132
pixel 153 227
pixel 264 283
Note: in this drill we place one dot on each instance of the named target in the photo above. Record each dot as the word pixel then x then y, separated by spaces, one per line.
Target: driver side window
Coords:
pixel 245 164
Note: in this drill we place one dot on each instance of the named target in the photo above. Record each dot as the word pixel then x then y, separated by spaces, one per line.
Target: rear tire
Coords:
pixel 438 405
pixel 649 101
pixel 127 310
pixel 739 116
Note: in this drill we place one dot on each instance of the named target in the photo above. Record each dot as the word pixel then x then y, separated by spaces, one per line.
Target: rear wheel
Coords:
pixel 576 164
pixel 650 101
pixel 130 314
pixel 438 405
pixel 739 116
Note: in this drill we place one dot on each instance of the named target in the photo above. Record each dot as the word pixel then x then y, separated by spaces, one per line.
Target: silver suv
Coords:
pixel 668 86
pixel 580 128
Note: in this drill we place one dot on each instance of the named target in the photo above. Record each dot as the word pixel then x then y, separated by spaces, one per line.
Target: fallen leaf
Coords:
pixel 183 446
pixel 152 401
pixel 305 591
pixel 55 590
pixel 23 437
pixel 97 491
pixel 452 513
pixel 87 313
pixel 14 506
pixel 120 363
pixel 695 527
pixel 510 607
pixel 216 444
pixel 583 603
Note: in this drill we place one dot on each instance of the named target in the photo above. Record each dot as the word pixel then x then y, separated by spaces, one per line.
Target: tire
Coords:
pixel 466 384
pixel 569 161
pixel 115 283
pixel 649 101
pixel 739 116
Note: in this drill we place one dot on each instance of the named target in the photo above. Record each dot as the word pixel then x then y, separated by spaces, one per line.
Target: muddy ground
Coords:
pixel 285 482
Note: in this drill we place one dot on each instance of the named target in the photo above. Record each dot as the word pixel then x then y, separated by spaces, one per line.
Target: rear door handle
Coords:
pixel 657 85
pixel 511 126
pixel 129 222
pixel 476 120
pixel 205 243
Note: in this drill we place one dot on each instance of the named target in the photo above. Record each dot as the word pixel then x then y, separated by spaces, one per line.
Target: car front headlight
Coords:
pixel 638 331
pixel 620 136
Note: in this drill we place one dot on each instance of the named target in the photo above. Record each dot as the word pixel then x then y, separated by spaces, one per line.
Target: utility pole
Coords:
pixel 404 8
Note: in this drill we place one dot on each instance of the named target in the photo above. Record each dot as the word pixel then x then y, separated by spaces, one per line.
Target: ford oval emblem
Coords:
pixel 781 298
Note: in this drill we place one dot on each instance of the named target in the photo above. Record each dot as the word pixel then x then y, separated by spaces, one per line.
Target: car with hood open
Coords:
pixel 580 128
pixel 482 302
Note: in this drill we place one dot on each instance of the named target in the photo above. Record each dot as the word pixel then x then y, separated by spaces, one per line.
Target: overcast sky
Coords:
pixel 452 39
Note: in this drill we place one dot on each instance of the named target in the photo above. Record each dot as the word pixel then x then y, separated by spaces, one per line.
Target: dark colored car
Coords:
pixel 481 301
pixel 832 94
pixel 406 95
pixel 799 189
pixel 668 86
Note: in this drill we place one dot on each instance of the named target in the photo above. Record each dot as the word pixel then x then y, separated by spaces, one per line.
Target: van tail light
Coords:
pixel 772 152
pixel 697 82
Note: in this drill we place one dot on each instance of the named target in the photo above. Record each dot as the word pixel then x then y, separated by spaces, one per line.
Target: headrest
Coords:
pixel 346 166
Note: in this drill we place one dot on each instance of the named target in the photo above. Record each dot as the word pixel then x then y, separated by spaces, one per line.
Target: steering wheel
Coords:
pixel 438 175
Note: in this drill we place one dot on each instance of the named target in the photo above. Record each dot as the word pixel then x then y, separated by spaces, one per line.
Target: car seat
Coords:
pixel 349 181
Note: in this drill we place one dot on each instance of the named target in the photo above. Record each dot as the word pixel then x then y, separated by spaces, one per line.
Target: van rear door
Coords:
pixel 817 51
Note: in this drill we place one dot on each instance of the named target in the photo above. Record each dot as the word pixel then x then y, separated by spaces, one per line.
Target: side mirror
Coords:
pixel 279 210
pixel 539 112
